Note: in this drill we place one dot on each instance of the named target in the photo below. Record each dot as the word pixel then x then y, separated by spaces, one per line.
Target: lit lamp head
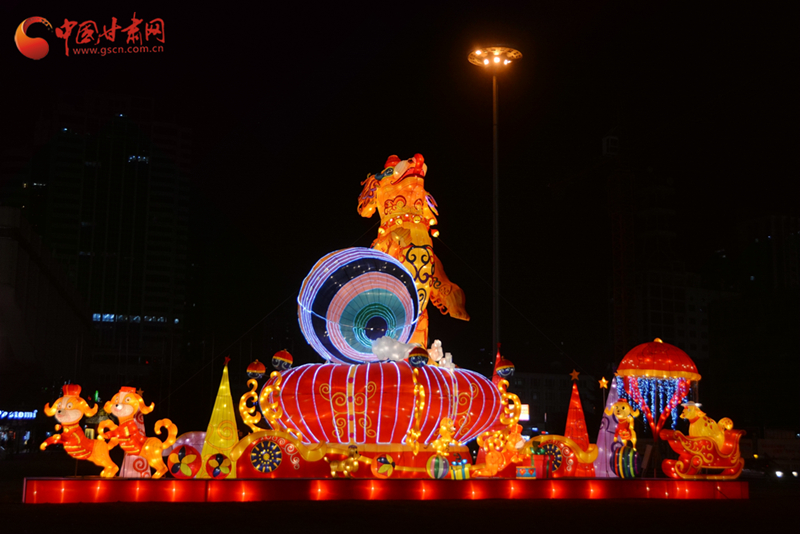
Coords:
pixel 494 58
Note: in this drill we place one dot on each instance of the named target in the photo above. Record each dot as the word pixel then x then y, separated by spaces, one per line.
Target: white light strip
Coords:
pixel 380 410
pixel 429 401
pixel 307 432
pixel 397 396
pixel 349 393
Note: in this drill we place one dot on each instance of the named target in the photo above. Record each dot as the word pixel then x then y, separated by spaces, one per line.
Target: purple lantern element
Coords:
pixel 194 439
pixel 605 438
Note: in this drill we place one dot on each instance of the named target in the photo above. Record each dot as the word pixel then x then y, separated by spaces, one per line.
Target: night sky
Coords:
pixel 292 106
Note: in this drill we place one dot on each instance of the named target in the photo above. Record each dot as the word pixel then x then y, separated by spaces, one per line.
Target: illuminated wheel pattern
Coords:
pixel 218 466
pixel 266 456
pixel 554 451
pixel 351 298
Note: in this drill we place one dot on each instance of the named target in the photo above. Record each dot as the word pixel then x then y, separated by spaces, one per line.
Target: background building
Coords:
pixel 107 187
pixel 548 395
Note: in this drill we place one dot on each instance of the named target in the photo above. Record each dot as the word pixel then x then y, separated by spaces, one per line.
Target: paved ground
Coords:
pixel 774 506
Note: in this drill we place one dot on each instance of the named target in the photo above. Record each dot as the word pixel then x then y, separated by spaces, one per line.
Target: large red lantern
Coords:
pixel 375 402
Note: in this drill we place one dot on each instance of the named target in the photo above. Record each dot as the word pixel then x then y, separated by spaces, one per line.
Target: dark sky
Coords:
pixel 292 106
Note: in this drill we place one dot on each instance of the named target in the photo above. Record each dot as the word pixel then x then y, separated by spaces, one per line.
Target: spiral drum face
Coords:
pixel 352 297
pixel 374 403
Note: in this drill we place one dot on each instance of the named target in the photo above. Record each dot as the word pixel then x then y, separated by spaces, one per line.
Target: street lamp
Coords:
pixel 496 59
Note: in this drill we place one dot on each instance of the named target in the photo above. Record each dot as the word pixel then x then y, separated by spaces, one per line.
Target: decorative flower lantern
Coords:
pixel 655 377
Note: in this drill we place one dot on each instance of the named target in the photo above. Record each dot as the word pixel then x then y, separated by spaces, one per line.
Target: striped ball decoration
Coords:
pixel 437 467
pixel 352 297
pixel 625 462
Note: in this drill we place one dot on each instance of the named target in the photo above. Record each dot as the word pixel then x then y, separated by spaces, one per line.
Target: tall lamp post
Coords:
pixel 496 59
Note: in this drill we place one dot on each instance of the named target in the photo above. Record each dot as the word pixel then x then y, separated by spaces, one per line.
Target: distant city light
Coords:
pixel 111 318
pixel 17 415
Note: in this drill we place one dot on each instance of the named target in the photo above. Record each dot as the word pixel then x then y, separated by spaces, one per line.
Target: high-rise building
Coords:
pixel 653 295
pixel 107 187
pixel 44 323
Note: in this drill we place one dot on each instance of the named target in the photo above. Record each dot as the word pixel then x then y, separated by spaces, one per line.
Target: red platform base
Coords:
pixel 95 489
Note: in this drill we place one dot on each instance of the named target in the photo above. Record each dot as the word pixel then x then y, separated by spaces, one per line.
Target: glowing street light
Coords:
pixel 496 59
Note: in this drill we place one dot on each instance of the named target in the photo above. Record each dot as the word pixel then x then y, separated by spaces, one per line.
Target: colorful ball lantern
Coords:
pixel 256 370
pixel 418 357
pixel 656 377
pixel 282 360
pixel 184 462
pixel 437 467
pixel 218 466
pixel 383 466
